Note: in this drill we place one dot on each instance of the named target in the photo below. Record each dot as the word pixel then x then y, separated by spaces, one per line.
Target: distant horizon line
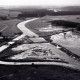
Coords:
pixel 35 6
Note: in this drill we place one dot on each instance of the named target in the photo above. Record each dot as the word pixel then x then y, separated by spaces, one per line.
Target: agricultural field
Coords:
pixel 73 18
pixel 9 21
pixel 11 25
pixel 9 13
pixel 8 29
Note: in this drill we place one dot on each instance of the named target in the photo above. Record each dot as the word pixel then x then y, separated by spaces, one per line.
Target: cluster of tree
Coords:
pixel 3 18
pixel 35 13
pixel 43 12
pixel 0 33
pixel 6 38
pixel 64 23
pixel 78 27
pixel 66 13
pixel 47 38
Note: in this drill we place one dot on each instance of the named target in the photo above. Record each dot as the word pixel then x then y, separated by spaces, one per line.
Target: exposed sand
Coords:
pixel 70 41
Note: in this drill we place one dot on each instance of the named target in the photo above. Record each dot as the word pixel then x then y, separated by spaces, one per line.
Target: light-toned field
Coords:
pixel 71 41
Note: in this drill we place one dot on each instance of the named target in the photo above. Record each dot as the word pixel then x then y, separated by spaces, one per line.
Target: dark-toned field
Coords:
pixel 11 29
pixel 37 72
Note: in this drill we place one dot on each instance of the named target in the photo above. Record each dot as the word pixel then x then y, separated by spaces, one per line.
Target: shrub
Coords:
pixel 78 27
